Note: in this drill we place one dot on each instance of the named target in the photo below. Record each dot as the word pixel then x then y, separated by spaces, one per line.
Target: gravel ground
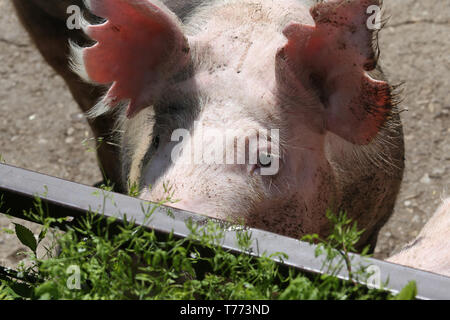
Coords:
pixel 42 129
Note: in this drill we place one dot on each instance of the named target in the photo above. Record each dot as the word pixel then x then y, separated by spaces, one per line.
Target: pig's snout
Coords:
pixel 199 206
pixel 195 206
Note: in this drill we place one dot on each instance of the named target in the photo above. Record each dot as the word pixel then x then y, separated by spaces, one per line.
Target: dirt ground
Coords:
pixel 41 128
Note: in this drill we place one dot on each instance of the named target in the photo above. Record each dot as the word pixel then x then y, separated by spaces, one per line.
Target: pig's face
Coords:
pixel 282 169
pixel 241 113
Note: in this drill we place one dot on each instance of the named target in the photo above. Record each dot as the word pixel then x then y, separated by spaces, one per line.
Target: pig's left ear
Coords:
pixel 139 46
pixel 332 58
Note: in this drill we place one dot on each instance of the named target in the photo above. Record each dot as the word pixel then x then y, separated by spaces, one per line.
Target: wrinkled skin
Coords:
pixel 247 67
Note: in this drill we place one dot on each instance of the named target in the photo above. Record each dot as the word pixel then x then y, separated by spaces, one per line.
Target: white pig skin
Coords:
pixel 250 67
pixel 308 68
pixel 430 251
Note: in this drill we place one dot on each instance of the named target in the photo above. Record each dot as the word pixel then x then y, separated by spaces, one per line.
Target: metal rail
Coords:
pixel 20 187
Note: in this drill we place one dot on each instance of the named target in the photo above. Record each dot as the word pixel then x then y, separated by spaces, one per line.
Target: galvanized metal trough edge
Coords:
pixel 20 186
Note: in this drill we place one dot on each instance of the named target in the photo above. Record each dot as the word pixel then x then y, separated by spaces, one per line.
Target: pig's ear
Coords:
pixel 139 46
pixel 332 58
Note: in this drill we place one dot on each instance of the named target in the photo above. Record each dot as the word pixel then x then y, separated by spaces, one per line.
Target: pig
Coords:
pixel 429 251
pixel 306 71
pixel 45 21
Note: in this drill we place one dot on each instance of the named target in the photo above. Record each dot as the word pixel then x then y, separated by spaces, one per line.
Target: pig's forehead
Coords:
pixel 241 74
pixel 220 15
pixel 226 92
pixel 219 102
pixel 236 45
pixel 230 124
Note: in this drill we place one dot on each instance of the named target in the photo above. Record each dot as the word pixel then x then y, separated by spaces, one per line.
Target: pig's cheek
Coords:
pixel 282 217
pixel 299 209
pixel 159 163
pixel 318 194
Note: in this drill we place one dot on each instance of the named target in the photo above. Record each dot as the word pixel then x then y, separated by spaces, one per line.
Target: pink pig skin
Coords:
pixel 308 69
pixel 430 250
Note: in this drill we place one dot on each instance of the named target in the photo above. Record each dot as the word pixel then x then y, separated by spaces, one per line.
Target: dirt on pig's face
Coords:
pixel 229 103
pixel 237 159
pixel 234 162
pixel 252 112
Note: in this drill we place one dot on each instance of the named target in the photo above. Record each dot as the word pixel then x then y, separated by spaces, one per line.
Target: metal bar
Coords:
pixel 65 198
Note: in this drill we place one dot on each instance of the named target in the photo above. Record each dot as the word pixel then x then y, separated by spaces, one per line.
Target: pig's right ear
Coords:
pixel 139 46
pixel 333 58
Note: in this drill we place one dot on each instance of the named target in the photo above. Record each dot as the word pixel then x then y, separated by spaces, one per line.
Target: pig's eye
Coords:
pixel 155 142
pixel 265 160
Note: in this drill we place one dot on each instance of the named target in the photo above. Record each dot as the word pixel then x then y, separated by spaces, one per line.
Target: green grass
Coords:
pixel 134 263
